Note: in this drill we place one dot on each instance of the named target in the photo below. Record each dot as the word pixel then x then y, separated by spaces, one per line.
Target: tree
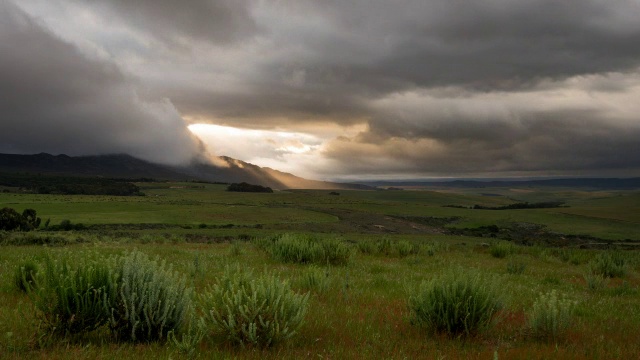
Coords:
pixel 30 220
pixel 244 187
pixel 10 219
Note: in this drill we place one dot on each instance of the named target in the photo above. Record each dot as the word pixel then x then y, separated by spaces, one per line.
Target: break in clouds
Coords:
pixel 436 88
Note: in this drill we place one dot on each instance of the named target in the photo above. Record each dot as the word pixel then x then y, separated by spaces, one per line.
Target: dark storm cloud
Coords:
pixel 53 99
pixel 179 22
pixel 496 142
pixel 441 86
pixel 327 59
pixel 483 44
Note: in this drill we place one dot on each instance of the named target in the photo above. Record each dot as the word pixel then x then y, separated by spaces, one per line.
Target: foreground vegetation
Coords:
pixel 306 275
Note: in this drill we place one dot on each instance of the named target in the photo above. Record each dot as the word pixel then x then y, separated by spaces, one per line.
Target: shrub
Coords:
pixel 187 342
pixel 235 249
pixel 500 249
pixel 38 239
pixel 457 303
pixel 385 246
pixel 25 276
pixel 367 247
pixel 303 250
pixel 314 279
pixel 296 249
pixel 516 267
pixel 152 300
pixel 12 220
pixel 609 264
pixel 624 289
pixel 74 299
pixel 595 281
pixel 261 311
pixel 264 243
pixel 572 256
pixel 431 250
pixel 244 187
pixel 405 248
pixel 335 252
pixel 551 316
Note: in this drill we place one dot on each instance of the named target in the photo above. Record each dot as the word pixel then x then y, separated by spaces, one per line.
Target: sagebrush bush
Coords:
pixel 256 311
pixel 595 281
pixel 551 316
pixel 431 250
pixel 624 289
pixel 152 299
pixel 335 252
pixel 264 243
pixel 300 249
pixel 500 249
pixel 314 279
pixel 25 276
pixel 609 264
pixel 516 267
pixel 384 246
pixel 291 248
pixel 405 248
pixel 74 298
pixel 367 247
pixel 235 249
pixel 188 340
pixel 456 303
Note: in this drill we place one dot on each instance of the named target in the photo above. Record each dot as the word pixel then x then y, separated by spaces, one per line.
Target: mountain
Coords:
pixel 116 166
pixel 234 170
pixel 126 166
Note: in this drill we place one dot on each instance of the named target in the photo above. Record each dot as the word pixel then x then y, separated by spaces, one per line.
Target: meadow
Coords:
pixel 359 306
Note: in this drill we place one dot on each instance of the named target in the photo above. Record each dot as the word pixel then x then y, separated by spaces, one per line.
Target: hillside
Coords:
pixel 129 167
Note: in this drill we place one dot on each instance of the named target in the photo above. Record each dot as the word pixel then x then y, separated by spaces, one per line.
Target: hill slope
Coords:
pixel 126 166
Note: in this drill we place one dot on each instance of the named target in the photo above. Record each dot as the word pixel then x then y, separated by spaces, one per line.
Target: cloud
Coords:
pixel 568 127
pixel 284 151
pixel 179 23
pixel 330 61
pixel 446 86
pixel 54 99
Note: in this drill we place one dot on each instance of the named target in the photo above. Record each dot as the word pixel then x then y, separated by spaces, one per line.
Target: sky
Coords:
pixel 329 89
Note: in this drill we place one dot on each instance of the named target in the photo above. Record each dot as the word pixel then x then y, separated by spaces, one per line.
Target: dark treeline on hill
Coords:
pixel 68 185
pixel 244 187
pixel 516 206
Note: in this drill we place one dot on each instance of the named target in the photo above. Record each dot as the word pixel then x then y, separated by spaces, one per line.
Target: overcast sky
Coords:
pixel 330 89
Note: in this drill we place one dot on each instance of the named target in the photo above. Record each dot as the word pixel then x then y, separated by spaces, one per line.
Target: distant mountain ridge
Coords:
pixel 593 183
pixel 129 167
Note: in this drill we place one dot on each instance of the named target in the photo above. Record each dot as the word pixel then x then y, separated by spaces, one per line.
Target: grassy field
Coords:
pixel 362 310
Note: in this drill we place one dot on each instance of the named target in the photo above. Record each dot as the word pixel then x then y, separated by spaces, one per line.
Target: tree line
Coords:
pixel 11 220
pixel 244 187
pixel 68 185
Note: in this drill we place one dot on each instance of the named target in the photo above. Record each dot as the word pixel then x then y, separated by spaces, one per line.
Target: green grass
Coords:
pixel 362 313
pixel 609 215
pixel 361 309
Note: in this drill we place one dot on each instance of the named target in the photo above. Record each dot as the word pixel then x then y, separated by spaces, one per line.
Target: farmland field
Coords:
pixel 361 310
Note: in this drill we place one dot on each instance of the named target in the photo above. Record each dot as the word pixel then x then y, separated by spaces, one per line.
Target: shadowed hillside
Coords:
pixel 129 167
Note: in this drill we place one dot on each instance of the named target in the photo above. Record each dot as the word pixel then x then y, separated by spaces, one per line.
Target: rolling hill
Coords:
pixel 128 167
